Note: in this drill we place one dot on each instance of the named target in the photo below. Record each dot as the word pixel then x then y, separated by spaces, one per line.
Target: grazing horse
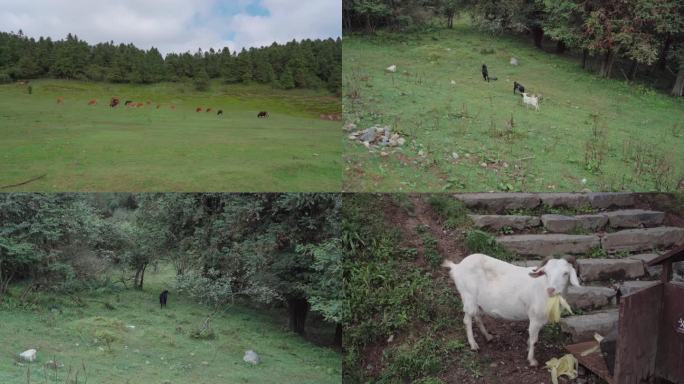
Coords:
pixel 173 107
pixel 128 102
pixel 158 106
pixel 219 113
pixel 208 110
pixel 60 100
pixel 199 109
pixel 263 114
pixel 92 102
pixel 163 297
pixel 139 105
pixel 149 102
pixel 114 102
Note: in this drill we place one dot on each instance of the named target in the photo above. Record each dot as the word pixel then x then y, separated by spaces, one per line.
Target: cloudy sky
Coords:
pixel 175 25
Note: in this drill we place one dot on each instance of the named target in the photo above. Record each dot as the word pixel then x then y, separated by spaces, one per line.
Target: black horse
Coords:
pixel 163 297
pixel 262 114
pixel 219 113
pixel 485 72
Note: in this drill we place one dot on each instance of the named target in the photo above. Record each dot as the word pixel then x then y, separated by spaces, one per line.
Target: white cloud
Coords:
pixel 174 25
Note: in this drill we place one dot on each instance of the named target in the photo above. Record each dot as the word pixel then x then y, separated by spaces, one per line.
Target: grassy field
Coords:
pixel 591 133
pixel 96 148
pixel 159 349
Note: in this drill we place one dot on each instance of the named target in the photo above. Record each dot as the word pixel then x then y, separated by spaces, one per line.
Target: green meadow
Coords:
pixel 464 134
pixel 122 336
pixel 77 147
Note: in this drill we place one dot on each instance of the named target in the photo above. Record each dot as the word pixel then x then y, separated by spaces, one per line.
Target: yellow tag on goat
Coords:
pixel 553 308
pixel 565 366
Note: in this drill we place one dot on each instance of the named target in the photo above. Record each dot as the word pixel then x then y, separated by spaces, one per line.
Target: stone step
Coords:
pixel 634 218
pixel 497 222
pixel 549 244
pixel 588 297
pixel 568 224
pixel 500 202
pixel 635 240
pixel 583 327
pixel 629 287
pixel 610 269
pixel 645 258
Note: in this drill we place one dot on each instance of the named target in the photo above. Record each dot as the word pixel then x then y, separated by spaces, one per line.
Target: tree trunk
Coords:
pixel 585 54
pixel 607 64
pixel 338 335
pixel 142 277
pixel 450 19
pixel 560 47
pixel 633 70
pixel 662 60
pixel 538 35
pixel 298 309
pixel 139 277
pixel 678 88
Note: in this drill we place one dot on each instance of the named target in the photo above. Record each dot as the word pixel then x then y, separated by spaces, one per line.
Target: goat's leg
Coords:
pixel 535 327
pixel 483 330
pixel 468 321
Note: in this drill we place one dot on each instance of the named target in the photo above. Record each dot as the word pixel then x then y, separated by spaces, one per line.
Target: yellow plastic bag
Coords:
pixel 566 365
pixel 553 308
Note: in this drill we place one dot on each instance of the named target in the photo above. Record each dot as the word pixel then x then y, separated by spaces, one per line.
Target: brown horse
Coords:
pixel 114 102
pixel 158 106
pixel 208 110
pixel 139 105
pixel 173 107
pixel 92 102
pixel 60 100
pixel 199 109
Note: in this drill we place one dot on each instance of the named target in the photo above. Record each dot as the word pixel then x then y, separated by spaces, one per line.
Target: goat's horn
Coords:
pixel 543 263
pixel 572 260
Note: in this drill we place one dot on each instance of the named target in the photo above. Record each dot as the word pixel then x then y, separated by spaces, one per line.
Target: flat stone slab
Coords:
pixel 634 218
pixel 549 244
pixel 610 269
pixel 629 287
pixel 500 202
pixel 645 258
pixel 568 224
pixel 568 200
pixel 589 297
pixel 634 240
pixel 582 328
pixel 601 200
pixel 497 222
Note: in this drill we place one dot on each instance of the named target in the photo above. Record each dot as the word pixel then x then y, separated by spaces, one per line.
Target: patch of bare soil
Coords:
pixel 666 202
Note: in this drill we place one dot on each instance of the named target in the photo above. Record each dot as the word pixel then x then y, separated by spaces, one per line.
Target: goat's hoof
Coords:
pixel 474 347
pixel 533 363
pixel 490 338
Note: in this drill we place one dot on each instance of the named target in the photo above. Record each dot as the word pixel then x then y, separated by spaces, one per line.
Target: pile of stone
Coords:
pixel 378 137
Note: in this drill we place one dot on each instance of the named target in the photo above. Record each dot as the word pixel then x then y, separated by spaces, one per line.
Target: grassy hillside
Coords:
pixel 159 349
pixel 590 133
pixel 96 148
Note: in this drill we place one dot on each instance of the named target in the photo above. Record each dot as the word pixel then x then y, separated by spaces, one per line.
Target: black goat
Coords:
pixel 163 297
pixel 517 87
pixel 485 72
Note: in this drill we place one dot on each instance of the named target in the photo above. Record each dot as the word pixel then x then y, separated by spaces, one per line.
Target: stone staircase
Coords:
pixel 611 239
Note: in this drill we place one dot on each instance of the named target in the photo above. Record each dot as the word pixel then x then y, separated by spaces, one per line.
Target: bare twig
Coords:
pixel 23 183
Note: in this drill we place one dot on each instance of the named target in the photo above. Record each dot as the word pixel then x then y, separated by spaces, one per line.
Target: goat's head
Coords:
pixel 558 273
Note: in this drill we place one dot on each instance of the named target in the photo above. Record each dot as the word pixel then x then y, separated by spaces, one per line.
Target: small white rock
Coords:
pixel 455 155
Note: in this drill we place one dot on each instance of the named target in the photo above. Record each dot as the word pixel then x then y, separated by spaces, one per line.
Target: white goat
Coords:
pixel 498 289
pixel 531 100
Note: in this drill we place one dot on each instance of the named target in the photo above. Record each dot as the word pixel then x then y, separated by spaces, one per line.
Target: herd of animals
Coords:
pixel 528 100
pixel 116 102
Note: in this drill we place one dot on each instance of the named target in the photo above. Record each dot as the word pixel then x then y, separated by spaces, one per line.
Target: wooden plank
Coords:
pixel 593 362
pixel 670 363
pixel 637 346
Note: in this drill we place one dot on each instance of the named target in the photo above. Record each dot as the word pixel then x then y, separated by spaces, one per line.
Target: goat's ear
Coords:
pixel 537 273
pixel 574 280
